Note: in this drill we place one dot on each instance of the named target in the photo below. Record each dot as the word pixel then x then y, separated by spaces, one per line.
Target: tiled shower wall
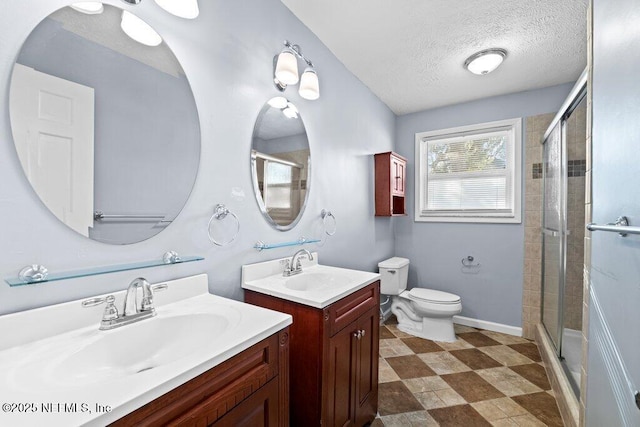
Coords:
pixel 536 126
pixel 576 149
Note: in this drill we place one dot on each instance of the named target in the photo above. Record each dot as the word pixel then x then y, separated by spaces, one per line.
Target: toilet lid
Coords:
pixel 433 296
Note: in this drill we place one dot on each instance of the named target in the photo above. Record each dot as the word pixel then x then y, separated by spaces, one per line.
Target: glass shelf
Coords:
pixel 17 281
pixel 301 241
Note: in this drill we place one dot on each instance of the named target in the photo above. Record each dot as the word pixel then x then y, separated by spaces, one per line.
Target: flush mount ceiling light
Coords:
pixel 187 9
pixel 88 7
pixel 285 72
pixel 139 30
pixel 485 61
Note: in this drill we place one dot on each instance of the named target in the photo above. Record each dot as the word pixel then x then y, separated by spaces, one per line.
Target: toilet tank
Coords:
pixel 393 275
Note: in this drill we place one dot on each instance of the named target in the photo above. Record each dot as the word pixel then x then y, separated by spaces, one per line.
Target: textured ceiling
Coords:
pixel 410 53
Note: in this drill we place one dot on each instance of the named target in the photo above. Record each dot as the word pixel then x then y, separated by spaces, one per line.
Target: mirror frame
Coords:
pixel 254 178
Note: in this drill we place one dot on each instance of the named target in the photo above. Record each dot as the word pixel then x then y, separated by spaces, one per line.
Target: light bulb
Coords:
pixel 287 68
pixel 309 86
pixel 187 9
pixel 279 102
pixel 139 30
pixel 88 7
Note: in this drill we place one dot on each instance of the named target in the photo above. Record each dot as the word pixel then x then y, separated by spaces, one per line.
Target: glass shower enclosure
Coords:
pixel 564 167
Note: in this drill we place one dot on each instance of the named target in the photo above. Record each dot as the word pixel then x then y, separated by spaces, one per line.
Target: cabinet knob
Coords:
pixel 359 333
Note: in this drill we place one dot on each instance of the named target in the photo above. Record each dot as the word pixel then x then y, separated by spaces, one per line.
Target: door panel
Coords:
pixel 614 318
pixel 341 395
pixel 53 127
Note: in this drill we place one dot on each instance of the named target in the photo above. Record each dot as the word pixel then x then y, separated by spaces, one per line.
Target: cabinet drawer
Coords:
pixel 349 308
pixel 214 393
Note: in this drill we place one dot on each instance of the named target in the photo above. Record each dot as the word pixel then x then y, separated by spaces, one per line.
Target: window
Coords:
pixel 470 173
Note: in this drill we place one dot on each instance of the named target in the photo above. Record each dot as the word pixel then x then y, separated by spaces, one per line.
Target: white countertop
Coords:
pixel 317 286
pixel 28 388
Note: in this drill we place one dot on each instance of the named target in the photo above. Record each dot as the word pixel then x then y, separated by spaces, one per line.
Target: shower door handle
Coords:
pixel 552 233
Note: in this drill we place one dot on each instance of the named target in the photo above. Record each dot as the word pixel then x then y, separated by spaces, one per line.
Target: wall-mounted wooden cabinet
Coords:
pixel 334 358
pixel 390 169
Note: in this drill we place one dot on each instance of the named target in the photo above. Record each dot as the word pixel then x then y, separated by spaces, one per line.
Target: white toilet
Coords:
pixel 425 313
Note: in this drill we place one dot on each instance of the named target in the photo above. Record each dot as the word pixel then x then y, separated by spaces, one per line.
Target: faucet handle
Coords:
pixel 110 311
pixel 159 287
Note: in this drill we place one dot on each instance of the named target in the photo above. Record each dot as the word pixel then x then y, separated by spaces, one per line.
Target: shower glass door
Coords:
pixel 552 233
pixel 563 236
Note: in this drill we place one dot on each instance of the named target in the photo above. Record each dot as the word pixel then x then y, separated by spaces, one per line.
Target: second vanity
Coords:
pixel 333 338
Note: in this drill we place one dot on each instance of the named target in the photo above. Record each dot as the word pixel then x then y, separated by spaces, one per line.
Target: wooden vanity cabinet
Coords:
pixel 250 389
pixel 333 358
pixel 390 172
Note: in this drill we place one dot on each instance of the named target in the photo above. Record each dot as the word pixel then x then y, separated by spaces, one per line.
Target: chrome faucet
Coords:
pixel 295 266
pixel 131 313
pixel 131 299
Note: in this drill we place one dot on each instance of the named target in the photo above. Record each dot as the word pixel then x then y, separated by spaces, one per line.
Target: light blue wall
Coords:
pixel 227 54
pixel 436 249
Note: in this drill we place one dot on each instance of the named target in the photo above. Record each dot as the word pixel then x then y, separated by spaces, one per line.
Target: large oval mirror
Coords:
pixel 106 127
pixel 280 163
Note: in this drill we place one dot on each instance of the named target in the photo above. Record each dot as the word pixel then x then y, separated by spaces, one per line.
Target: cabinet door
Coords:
pixel 397 176
pixel 367 367
pixel 340 405
pixel 259 410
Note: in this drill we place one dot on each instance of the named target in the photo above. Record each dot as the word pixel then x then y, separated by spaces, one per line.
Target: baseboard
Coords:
pixel 489 326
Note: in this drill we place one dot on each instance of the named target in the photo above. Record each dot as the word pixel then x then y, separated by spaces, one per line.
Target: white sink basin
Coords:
pixel 136 348
pixel 58 354
pixel 317 285
pixel 313 281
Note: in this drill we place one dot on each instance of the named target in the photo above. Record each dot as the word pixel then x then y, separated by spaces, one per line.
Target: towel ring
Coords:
pixel 326 214
pixel 220 212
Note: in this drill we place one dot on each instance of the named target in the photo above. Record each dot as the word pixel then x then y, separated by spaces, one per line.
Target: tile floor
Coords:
pixel 483 379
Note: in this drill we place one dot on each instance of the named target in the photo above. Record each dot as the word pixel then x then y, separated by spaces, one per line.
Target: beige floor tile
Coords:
pixel 489 410
pixel 528 421
pixel 504 338
pixel 409 419
pixel 394 348
pixel 459 329
pixel 397 332
pixel 505 355
pixel 443 363
pixel 419 385
pixel 509 407
pixel 386 374
pixel 507 381
pixel 505 422
pixel 459 344
pixel 450 397
pixel 430 400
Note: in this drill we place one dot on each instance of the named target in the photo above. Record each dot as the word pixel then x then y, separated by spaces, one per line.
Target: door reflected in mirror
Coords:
pixel 280 163
pixel 105 127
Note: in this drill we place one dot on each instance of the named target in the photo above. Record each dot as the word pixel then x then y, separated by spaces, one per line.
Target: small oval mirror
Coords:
pixel 280 163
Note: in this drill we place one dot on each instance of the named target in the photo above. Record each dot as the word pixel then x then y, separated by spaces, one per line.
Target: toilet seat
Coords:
pixel 433 296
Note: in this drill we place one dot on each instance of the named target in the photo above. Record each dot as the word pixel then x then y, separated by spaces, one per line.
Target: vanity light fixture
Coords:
pixel 285 72
pixel 485 61
pixel 88 7
pixel 187 9
pixel 139 30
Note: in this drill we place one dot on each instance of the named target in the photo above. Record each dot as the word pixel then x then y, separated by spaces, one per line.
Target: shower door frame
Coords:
pixel 577 94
